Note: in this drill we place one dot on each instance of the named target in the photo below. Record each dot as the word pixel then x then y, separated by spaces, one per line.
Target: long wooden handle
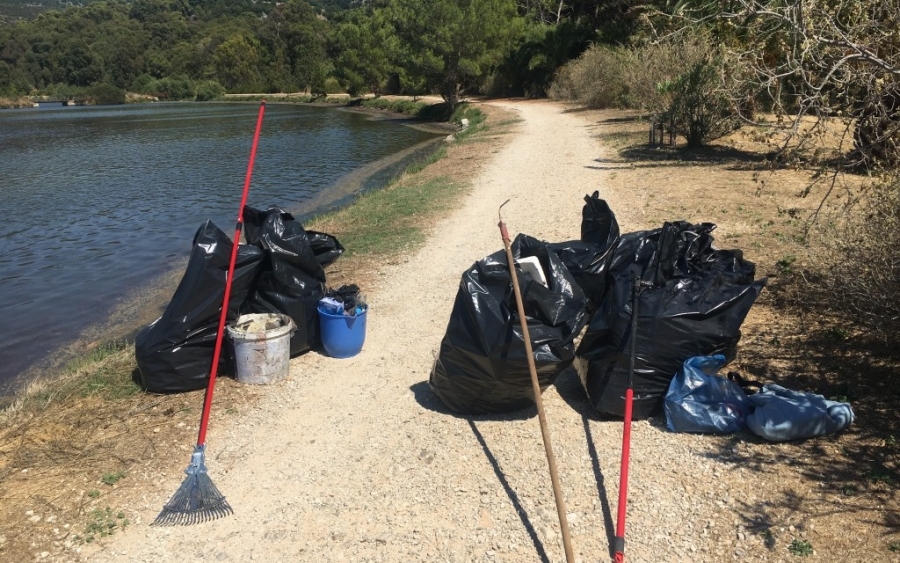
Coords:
pixel 536 387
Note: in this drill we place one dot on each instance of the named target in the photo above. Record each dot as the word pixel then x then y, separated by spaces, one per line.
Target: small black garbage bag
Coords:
pixel 695 307
pixel 326 247
pixel 588 259
pixel 292 280
pixel 174 353
pixel 482 366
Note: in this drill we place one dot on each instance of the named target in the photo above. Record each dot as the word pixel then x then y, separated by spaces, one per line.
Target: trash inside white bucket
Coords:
pixel 262 347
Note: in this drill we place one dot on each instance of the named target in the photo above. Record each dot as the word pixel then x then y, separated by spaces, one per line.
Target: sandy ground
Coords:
pixel 356 460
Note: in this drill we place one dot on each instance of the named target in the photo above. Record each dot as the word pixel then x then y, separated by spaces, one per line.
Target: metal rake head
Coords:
pixel 196 500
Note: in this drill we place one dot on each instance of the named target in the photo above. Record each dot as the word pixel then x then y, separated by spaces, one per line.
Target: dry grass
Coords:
pixel 13 103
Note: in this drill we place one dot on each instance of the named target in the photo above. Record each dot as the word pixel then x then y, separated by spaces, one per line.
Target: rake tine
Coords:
pixel 196 500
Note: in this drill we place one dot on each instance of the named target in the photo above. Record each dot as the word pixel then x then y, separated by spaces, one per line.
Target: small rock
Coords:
pixel 740 536
pixel 550 534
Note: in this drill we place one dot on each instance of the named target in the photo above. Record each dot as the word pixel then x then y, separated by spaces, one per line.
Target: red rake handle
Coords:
pixel 207 401
pixel 619 540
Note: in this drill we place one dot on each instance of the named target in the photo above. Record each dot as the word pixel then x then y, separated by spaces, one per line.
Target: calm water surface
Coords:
pixel 100 201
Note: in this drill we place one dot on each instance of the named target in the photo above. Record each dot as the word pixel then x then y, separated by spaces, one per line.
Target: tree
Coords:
pixel 364 49
pixel 823 59
pixel 453 44
pixel 530 68
pixel 237 61
pixel 297 37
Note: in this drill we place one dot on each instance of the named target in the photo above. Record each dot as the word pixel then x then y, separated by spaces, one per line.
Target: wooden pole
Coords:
pixel 536 387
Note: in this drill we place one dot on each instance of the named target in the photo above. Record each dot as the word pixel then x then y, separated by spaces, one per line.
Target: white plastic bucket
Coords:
pixel 262 347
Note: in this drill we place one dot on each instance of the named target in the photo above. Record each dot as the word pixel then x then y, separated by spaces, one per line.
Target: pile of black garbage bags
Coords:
pixel 280 269
pixel 695 300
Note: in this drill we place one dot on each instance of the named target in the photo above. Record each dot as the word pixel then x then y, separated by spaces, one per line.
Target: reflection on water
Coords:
pixel 100 201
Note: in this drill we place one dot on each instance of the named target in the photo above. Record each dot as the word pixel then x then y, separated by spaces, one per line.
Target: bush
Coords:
pixel 604 77
pixel 876 136
pixel 595 79
pixel 209 90
pixel 141 83
pixel 105 94
pixel 333 86
pixel 860 275
pixel 698 108
pixel 172 88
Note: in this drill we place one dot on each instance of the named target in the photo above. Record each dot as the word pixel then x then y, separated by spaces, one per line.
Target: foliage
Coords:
pixel 800 547
pixel 102 523
pixel 365 49
pixel 596 79
pixel 105 94
pixel 860 270
pixel 112 478
pixel 631 77
pixel 294 48
pixel 407 107
pixel 451 44
pixel 819 60
pixel 698 108
pixel 209 90
pixel 385 46
pixel 171 88
pixel 529 69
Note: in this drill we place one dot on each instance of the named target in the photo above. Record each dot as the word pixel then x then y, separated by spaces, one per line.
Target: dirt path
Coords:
pixel 356 460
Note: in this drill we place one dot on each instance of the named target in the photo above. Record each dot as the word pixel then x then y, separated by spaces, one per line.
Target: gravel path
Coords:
pixel 356 460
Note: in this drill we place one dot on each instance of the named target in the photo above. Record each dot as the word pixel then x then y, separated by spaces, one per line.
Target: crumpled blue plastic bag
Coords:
pixel 782 414
pixel 698 400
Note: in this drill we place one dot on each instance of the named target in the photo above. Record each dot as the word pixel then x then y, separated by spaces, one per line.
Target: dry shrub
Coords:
pixel 860 277
pixel 596 79
pixel 617 77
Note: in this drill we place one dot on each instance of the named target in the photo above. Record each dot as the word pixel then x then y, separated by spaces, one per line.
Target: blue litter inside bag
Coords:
pixel 698 400
pixel 781 414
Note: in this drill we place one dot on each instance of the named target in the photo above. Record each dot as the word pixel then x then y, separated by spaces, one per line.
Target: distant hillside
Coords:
pixel 14 10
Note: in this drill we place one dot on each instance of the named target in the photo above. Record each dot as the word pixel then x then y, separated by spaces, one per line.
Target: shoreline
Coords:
pixel 142 304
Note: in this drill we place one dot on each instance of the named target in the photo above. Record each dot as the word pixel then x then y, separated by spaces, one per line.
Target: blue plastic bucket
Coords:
pixel 342 335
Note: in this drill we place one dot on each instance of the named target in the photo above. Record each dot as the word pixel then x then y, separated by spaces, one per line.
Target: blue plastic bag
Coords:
pixel 698 400
pixel 781 414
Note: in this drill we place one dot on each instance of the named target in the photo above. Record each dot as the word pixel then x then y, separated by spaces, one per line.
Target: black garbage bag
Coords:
pixel 695 307
pixel 588 259
pixel 174 353
pixel 482 366
pixel 326 247
pixel 291 280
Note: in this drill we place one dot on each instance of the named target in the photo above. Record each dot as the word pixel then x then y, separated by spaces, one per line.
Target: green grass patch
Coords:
pixel 102 523
pixel 112 478
pixel 800 547
pixel 430 159
pixel 393 219
pixel 104 372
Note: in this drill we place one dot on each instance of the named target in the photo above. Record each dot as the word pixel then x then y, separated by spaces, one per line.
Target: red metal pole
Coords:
pixel 619 540
pixel 207 401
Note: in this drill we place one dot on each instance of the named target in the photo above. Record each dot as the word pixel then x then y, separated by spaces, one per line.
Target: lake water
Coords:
pixel 101 202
